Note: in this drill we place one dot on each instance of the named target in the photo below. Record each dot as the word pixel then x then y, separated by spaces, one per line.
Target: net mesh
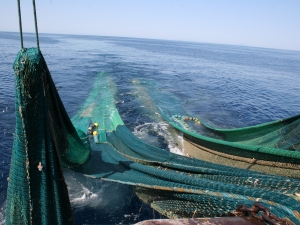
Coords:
pixel 262 144
pixel 168 182
pixel 175 185
pixel 44 140
pixel 281 134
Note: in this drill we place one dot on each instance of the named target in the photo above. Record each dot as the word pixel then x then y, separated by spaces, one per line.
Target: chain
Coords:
pixel 265 216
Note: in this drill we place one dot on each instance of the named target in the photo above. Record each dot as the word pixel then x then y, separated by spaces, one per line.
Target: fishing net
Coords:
pixel 175 185
pixel 261 147
pixel 281 134
pixel 44 140
pixel 176 181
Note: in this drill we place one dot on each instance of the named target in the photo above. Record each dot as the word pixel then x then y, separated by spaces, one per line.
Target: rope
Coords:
pixel 36 28
pixel 20 23
pixel 35 22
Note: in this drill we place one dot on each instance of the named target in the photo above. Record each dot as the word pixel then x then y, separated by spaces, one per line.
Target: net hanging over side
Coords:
pixel 37 192
pixel 44 141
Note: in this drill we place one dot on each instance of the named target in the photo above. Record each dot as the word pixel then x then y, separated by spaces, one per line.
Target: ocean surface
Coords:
pixel 224 85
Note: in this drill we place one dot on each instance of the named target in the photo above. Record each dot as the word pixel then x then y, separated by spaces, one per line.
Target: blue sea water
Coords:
pixel 224 85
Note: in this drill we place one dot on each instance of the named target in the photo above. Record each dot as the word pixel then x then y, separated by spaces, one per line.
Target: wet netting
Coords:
pixel 44 141
pixel 262 147
pixel 177 186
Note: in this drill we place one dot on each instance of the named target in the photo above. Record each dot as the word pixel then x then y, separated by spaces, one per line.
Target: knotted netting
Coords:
pixel 271 147
pixel 170 182
pixel 281 134
pixel 44 141
pixel 175 185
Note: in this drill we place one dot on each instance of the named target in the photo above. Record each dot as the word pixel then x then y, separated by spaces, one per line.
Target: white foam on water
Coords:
pixel 88 193
pixel 177 147
pixel 152 133
pixel 2 213
pixel 135 216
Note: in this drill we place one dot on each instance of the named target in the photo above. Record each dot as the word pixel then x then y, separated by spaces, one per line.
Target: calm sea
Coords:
pixel 224 85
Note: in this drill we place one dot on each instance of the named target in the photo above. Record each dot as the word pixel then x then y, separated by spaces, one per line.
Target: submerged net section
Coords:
pixel 172 182
pixel 44 140
pixel 284 134
pixel 175 185
pixel 281 134
pixel 265 144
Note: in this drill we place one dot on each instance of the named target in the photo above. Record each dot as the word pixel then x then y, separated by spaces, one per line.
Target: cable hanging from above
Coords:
pixel 35 22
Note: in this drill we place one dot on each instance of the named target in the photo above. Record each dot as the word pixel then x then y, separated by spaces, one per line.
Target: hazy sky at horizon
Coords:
pixel 259 23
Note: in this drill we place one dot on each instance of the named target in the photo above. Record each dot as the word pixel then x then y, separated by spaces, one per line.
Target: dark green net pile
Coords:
pixel 177 186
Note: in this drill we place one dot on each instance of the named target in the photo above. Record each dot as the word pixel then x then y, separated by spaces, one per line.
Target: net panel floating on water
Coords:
pixel 46 139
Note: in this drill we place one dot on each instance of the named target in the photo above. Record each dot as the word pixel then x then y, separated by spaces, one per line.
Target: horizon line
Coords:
pixel 158 39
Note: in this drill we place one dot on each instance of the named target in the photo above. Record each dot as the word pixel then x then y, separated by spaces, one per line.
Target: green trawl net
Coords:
pixel 44 140
pixel 176 181
pixel 271 147
pixel 282 134
pixel 175 185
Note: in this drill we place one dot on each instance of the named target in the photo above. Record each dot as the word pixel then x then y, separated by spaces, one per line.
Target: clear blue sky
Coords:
pixel 261 23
